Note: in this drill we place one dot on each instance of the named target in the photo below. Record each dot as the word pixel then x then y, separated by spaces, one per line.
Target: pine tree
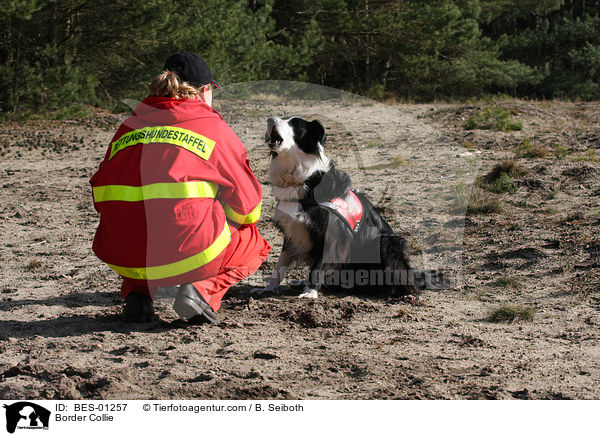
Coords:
pixel 560 40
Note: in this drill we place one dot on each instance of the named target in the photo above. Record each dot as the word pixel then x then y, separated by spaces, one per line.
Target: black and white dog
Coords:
pixel 326 224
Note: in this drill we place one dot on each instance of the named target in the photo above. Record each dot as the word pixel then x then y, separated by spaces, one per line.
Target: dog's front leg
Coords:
pixel 336 254
pixel 278 274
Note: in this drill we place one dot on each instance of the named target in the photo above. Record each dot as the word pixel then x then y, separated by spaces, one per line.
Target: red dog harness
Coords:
pixel 349 208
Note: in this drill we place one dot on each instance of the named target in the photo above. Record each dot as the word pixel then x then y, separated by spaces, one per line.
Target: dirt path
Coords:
pixel 537 249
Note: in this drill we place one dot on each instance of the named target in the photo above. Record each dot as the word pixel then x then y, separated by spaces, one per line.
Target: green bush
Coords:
pixel 496 118
pixel 503 184
pixel 500 179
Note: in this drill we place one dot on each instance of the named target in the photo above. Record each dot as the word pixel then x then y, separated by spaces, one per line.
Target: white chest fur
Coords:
pixel 288 171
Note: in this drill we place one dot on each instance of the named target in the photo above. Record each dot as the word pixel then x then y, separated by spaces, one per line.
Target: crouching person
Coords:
pixel 177 199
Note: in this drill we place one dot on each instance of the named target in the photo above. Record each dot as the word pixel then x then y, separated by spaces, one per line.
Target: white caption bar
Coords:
pixel 273 417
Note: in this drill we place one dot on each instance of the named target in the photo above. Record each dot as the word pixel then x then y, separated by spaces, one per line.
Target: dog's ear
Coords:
pixel 317 131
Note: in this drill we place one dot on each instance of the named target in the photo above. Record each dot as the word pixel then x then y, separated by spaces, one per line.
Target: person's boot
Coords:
pixel 190 306
pixel 138 308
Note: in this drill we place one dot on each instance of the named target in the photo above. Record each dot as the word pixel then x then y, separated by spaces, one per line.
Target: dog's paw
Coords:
pixel 309 293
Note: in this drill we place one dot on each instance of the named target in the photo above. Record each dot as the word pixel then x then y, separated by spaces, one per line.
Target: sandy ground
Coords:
pixel 62 335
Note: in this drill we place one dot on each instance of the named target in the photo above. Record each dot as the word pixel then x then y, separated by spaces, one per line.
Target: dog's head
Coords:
pixel 294 134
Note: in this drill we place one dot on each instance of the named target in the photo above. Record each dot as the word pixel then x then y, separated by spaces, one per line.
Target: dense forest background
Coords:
pixel 80 53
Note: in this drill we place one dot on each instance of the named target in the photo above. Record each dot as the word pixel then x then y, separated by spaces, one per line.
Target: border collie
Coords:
pixel 326 224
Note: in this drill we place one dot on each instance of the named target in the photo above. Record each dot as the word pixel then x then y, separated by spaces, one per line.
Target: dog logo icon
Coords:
pixel 26 415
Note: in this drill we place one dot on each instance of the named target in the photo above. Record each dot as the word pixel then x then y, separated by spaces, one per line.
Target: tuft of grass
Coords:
pixel 33 265
pixel 481 203
pixel 507 281
pixel 571 217
pixel 500 179
pixel 587 156
pixel 472 201
pixel 510 313
pixel 468 144
pixel 399 160
pixel 550 210
pixel 396 162
pixel 404 314
pixel 528 148
pixel 560 151
pixel 507 166
pixel 269 97
pixel 460 196
pixel 372 144
pixel 504 184
pixel 496 118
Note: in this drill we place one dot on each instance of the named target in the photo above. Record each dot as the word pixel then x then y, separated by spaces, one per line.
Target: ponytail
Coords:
pixel 167 84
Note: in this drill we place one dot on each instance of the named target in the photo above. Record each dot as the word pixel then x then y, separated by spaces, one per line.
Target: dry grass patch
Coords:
pixel 481 203
pixel 509 313
pixel 396 162
pixel 33 265
pixel 507 282
pixel 560 151
pixel 531 149
pixel 472 200
pixel 586 156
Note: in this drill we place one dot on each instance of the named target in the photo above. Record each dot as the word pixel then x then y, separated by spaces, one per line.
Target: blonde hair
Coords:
pixel 167 84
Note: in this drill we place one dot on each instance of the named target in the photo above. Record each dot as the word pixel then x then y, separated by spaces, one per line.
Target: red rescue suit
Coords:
pixel 173 192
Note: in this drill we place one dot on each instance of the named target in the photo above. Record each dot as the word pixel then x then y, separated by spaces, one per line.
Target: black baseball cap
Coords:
pixel 190 68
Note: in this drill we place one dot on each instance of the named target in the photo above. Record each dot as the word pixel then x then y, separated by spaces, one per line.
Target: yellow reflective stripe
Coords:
pixel 155 190
pixel 198 144
pixel 179 267
pixel 251 218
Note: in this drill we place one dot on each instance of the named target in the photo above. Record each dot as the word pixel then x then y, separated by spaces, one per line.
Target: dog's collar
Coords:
pixel 349 208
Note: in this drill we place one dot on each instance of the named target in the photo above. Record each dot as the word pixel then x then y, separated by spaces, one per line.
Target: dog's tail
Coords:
pixel 394 254
pixel 412 281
